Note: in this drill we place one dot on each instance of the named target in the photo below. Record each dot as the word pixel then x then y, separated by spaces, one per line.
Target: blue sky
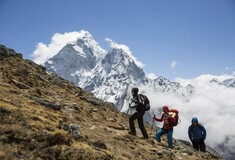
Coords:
pixel 173 38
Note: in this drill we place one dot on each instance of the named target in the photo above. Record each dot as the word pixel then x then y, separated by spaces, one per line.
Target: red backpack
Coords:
pixel 176 116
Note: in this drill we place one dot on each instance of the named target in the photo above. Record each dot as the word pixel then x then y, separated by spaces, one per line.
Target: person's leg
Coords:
pixel 195 145
pixel 141 125
pixel 132 124
pixel 169 138
pixel 159 133
pixel 202 146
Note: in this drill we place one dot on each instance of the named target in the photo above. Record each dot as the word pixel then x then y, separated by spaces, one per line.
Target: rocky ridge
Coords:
pixel 43 116
pixel 228 82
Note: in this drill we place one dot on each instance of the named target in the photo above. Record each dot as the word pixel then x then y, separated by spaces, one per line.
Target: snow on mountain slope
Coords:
pixel 108 75
pixel 230 82
pixel 76 59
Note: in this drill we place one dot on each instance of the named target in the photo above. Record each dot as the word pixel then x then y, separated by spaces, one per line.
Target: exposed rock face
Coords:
pixel 228 82
pixel 51 118
pixel 6 52
pixel 108 75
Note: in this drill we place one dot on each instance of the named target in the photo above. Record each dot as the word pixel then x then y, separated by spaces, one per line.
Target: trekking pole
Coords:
pixel 152 126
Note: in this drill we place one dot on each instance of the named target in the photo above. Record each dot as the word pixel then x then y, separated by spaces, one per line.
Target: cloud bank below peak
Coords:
pixel 204 79
pixel 212 104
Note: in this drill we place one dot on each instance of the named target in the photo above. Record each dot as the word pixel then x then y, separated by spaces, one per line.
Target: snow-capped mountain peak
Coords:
pixel 86 41
pixel 108 75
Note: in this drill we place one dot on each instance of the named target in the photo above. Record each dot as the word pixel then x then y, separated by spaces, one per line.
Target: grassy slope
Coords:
pixel 32 128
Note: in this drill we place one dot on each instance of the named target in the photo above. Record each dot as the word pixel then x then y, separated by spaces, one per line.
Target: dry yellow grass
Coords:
pixel 36 110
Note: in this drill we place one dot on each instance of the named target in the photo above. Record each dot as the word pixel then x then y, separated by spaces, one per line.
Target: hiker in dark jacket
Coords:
pixel 139 106
pixel 167 126
pixel 197 135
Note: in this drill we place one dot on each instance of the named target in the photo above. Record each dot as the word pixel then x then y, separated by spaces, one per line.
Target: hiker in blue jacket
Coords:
pixel 197 135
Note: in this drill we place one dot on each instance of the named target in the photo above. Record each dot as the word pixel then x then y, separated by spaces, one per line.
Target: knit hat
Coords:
pixel 166 108
pixel 194 119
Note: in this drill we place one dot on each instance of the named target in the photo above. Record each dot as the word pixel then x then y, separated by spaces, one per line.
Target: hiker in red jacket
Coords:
pixel 167 126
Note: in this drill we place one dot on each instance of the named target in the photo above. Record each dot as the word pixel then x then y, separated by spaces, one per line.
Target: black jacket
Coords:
pixel 138 104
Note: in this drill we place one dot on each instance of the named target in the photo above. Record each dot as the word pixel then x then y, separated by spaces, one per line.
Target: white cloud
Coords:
pixel 125 48
pixel 233 73
pixel 173 64
pixel 226 68
pixel 208 77
pixel 58 41
pixel 205 78
pixel 213 104
pixel 151 76
pixel 45 51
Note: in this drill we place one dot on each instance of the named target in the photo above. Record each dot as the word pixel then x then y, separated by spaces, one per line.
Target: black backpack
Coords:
pixel 144 99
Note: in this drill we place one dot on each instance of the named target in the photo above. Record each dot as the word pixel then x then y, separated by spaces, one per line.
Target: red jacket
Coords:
pixel 167 121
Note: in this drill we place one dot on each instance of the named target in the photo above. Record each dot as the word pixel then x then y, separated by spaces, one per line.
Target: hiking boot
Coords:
pixel 171 147
pixel 152 142
pixel 132 133
pixel 153 136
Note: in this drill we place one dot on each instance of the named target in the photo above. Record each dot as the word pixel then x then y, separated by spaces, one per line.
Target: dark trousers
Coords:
pixel 138 115
pixel 199 144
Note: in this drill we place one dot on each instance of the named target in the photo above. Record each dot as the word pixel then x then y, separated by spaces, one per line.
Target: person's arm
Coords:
pixel 138 101
pixel 190 133
pixel 159 119
pixel 133 101
pixel 133 106
pixel 204 132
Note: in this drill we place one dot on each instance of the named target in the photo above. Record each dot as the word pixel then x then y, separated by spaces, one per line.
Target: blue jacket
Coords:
pixel 196 133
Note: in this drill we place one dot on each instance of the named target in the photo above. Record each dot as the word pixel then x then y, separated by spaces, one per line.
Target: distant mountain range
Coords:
pixel 228 82
pixel 109 75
